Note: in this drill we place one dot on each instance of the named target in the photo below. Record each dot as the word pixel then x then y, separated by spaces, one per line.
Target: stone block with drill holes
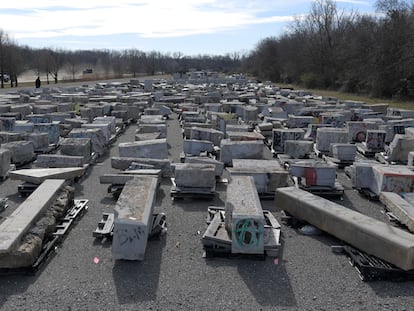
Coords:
pixel 244 216
pixel 133 218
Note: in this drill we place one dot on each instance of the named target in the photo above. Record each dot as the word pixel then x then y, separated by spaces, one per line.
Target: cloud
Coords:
pixel 146 18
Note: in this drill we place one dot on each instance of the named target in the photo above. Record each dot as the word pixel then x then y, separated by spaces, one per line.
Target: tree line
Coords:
pixel 331 48
pixel 16 59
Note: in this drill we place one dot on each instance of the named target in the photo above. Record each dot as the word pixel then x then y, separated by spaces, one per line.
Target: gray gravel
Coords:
pixel 174 276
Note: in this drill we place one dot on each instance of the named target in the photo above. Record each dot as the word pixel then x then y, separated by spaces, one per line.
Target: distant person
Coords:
pixel 37 82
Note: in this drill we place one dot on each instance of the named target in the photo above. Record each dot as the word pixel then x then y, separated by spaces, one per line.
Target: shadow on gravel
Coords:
pixel 137 281
pixel 267 281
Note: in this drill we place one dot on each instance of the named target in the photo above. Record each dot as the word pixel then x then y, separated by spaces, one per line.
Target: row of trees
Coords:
pixel 16 59
pixel 332 48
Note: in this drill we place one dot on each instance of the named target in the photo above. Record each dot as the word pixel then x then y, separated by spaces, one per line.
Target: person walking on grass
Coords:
pixel 37 82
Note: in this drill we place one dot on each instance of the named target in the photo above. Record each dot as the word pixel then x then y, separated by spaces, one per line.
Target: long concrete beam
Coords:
pixel 368 234
pixel 20 221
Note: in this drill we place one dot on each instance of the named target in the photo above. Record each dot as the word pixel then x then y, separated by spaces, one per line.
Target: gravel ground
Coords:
pixel 174 276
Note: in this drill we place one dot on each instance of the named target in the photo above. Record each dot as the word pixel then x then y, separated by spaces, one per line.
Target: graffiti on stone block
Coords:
pixel 126 236
pixel 248 232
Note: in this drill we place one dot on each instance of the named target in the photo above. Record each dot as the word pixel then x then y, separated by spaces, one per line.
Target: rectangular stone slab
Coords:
pixel 38 175
pixel 133 218
pixel 363 232
pixel 19 222
pixel 120 179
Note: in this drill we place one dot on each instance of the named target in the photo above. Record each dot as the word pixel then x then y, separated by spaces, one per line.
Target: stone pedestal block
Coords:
pixel 244 216
pixel 133 218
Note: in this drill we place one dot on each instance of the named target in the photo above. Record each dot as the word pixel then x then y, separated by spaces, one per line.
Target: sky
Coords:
pixel 188 27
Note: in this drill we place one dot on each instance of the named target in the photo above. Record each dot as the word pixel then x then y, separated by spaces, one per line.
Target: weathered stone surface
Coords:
pixel 219 166
pixel 123 163
pixel 230 150
pixel 59 160
pixel 268 174
pixel 156 149
pixel 95 135
pixel 244 216
pixel 298 149
pixel 243 136
pixel 21 151
pixel 51 128
pixel 212 135
pixel 19 222
pixel 123 177
pixel 153 128
pixel 147 136
pixel 375 140
pixel 38 175
pixel 402 209
pixel 399 148
pixel 365 233
pixel 104 127
pixel 327 136
pixel 133 216
pixel 343 152
pixel 5 160
pixel 281 135
pixel 194 175
pixel 394 178
pixel 76 147
pixel 315 173
pixel 194 146
pixel 40 140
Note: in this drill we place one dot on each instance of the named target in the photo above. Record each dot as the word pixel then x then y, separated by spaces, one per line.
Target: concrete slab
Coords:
pixel 363 232
pixel 20 221
pixel 59 161
pixel 121 179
